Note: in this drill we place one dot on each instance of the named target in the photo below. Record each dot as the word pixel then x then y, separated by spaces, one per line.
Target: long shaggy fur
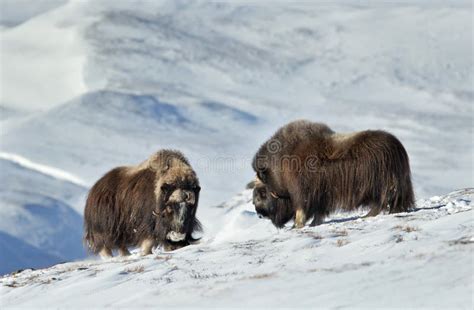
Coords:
pixel 127 205
pixel 313 171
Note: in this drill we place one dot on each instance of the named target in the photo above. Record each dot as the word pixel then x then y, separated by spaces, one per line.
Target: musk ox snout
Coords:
pixel 259 201
pixel 180 213
pixel 267 205
pixel 180 210
pixel 182 197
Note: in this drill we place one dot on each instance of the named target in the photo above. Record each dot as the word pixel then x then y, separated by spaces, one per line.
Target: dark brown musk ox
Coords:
pixel 306 170
pixel 151 204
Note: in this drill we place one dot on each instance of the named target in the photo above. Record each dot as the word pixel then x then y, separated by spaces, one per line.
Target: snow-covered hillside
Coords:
pixel 38 226
pixel 89 85
pixel 417 259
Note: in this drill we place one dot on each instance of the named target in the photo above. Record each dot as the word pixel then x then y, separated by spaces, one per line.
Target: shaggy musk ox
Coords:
pixel 151 204
pixel 307 171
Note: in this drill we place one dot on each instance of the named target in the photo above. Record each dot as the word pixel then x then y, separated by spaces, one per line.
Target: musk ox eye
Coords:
pixel 166 187
pixel 262 175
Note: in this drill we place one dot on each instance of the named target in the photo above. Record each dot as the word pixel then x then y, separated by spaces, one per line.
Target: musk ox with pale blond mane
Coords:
pixel 305 170
pixel 153 203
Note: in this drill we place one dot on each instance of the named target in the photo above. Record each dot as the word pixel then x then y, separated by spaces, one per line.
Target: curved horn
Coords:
pixel 274 195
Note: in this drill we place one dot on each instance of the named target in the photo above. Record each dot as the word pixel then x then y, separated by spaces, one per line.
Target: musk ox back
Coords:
pixel 151 204
pixel 307 171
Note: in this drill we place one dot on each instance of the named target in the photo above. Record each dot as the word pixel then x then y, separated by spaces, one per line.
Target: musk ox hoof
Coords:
pixel 171 246
pixel 175 237
pixel 297 226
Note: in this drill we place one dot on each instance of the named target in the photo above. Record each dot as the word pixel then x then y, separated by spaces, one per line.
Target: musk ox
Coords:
pixel 147 205
pixel 306 170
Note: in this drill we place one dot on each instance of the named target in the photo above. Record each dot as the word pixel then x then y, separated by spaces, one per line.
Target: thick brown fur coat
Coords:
pixel 129 205
pixel 308 171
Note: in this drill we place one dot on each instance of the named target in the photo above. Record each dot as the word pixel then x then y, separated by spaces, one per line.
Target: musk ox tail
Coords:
pixel 402 199
pixel 89 242
pixel 92 241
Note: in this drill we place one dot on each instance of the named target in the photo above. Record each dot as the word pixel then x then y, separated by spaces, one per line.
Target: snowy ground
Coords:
pixel 416 259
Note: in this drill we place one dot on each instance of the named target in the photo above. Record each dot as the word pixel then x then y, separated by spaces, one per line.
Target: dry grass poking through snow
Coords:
pixel 135 269
pixel 341 242
pixel 262 276
pixel 340 232
pixel 406 228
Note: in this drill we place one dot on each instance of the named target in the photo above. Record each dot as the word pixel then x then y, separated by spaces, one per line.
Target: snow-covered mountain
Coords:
pixel 421 259
pixel 90 85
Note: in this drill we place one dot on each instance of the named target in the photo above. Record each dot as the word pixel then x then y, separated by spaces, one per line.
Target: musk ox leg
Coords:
pixel 123 251
pixel 105 253
pixel 374 211
pixel 300 218
pixel 319 216
pixel 317 220
pixel 146 246
pixel 299 203
pixel 402 204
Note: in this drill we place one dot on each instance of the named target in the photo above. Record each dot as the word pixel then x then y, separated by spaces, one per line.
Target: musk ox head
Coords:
pixel 269 205
pixel 177 192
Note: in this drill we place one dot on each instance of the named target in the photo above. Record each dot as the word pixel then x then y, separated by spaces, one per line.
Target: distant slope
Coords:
pixel 43 55
pixel 15 12
pixel 16 254
pixel 46 170
pixel 420 259
pixel 36 214
pixel 20 175
pixel 46 223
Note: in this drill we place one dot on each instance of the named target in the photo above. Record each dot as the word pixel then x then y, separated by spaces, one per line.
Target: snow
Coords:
pixel 41 222
pixel 15 12
pixel 16 254
pixel 416 259
pixel 50 171
pixel 89 85
pixel 42 58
